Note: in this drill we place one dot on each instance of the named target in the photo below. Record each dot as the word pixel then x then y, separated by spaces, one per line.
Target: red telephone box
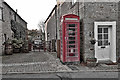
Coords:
pixel 69 38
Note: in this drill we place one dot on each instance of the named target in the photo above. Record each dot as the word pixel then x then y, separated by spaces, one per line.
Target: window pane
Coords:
pixel 71 42
pixel 71 25
pixel 105 42
pixel 105 36
pixel 99 30
pixel 71 46
pixel 71 29
pixel 71 38
pixel 99 43
pixel 105 30
pixel 99 36
pixel 71 33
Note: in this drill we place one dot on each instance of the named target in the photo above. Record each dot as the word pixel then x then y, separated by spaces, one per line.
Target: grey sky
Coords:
pixel 32 11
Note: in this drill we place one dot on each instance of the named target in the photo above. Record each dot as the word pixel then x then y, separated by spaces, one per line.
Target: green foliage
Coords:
pixel 17 43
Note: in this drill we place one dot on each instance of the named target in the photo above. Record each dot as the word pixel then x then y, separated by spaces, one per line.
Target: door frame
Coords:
pixel 112 56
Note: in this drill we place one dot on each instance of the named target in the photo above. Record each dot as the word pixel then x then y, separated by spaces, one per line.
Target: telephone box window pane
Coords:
pixel 71 29
pixel 72 34
pixel 71 42
pixel 71 38
pixel 71 19
pixel 105 30
pixel 99 30
pixel 71 46
pixel 71 25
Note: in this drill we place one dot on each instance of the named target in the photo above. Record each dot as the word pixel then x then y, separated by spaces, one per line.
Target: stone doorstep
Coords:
pixel 109 66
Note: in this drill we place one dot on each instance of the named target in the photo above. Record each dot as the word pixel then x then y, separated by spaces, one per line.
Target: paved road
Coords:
pixel 33 62
pixel 67 75
pixel 41 62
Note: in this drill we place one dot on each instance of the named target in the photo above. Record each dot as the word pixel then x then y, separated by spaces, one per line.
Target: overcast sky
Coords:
pixel 32 11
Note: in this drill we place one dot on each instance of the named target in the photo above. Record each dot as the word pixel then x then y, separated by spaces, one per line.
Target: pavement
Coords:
pixel 45 62
pixel 100 67
pixel 64 76
pixel 33 62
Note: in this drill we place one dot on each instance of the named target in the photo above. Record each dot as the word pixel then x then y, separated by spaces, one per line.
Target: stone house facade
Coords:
pixel 1 26
pixel 98 21
pixel 12 25
pixel 51 29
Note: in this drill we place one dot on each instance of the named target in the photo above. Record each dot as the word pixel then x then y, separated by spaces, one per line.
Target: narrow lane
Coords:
pixel 34 62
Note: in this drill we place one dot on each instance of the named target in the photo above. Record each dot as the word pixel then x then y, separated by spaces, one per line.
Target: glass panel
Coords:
pixel 105 36
pixel 105 42
pixel 71 25
pixel 71 19
pixel 99 30
pixel 99 43
pixel 71 29
pixel 72 34
pixel 105 30
pixel 71 46
pixel 71 42
pixel 71 38
pixel 99 36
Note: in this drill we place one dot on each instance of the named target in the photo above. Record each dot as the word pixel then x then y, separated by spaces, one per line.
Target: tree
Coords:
pixel 41 26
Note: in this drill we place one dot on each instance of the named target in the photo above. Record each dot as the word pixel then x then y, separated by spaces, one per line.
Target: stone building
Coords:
pixel 12 25
pixel 98 21
pixel 0 26
pixel 50 30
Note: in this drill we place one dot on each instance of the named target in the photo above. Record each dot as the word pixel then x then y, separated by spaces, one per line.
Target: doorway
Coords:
pixel 105 34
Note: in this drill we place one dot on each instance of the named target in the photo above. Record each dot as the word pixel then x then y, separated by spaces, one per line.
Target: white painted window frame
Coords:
pixel 1 13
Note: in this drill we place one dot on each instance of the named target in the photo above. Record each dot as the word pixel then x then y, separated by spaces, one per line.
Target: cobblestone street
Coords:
pixel 40 62
pixel 33 62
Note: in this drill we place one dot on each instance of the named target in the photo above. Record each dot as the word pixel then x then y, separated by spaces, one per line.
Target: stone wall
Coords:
pixel 1 31
pixel 0 37
pixel 118 32
pixel 51 28
pixel 107 11
pixel 89 12
pixel 10 16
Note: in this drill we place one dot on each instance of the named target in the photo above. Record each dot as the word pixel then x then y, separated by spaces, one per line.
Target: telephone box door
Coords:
pixel 72 42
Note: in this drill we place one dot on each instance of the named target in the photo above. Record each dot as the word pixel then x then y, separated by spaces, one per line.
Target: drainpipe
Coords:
pixel 56 20
pixel 16 14
pixel 78 8
pixel 56 26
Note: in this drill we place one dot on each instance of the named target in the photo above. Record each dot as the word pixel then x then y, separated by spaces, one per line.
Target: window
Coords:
pixel 1 13
pixel 74 1
pixel 102 36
